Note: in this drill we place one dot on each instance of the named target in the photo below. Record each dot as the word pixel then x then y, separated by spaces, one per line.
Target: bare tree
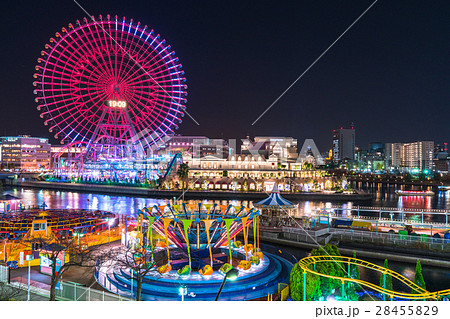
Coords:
pixel 139 261
pixel 55 247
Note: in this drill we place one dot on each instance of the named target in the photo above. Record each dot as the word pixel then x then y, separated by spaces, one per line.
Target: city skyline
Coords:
pixel 249 55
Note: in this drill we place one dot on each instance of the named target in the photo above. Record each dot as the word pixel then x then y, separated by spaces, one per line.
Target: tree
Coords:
pixel 137 259
pixel 352 287
pixel 329 285
pixel 418 278
pixel 54 247
pixel 385 279
pixel 313 290
pixel 183 174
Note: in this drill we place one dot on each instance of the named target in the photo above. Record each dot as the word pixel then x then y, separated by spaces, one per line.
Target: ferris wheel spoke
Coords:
pixel 151 53
pixel 100 49
pixel 74 108
pixel 92 42
pixel 158 103
pixel 152 116
pixel 84 53
pixel 145 66
pixel 112 46
pixel 88 118
pixel 108 47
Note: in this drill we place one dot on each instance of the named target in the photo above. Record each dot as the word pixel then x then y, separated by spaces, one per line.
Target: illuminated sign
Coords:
pixel 116 104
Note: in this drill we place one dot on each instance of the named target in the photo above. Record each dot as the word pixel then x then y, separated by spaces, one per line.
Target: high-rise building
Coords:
pixel 343 144
pixel 392 155
pixel 25 153
pixel 405 156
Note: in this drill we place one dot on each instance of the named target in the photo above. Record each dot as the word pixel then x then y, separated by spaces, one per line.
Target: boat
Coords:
pixel 414 193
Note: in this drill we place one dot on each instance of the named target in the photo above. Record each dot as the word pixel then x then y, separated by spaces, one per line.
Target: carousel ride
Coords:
pixel 86 227
pixel 195 246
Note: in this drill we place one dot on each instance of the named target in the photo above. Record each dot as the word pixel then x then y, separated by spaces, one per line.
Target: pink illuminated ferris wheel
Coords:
pixel 110 82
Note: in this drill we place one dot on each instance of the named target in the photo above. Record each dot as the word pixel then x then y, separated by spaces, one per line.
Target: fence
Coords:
pixel 321 236
pixel 300 235
pixel 74 292
pixel 283 290
pixel 69 291
pixel 3 273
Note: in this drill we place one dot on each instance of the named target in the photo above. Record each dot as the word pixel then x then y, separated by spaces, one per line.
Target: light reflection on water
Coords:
pixel 128 205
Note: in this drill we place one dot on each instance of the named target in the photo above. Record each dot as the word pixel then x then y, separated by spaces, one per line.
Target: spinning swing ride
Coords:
pixel 199 246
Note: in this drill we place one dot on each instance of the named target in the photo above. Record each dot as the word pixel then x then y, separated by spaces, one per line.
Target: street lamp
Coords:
pixel 182 291
pixel 29 259
pixel 231 275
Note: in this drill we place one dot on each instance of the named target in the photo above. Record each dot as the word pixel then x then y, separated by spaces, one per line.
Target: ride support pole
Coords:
pixel 304 286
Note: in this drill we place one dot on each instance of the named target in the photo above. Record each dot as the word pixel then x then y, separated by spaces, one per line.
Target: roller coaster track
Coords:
pixel 307 264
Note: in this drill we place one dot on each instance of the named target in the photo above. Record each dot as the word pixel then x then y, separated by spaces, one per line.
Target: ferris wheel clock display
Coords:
pixel 110 82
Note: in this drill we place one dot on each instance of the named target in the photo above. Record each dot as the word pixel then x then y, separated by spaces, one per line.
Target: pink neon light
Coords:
pixel 83 66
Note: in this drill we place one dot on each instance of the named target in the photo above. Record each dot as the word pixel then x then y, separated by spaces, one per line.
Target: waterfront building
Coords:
pixel 250 172
pixel 409 156
pixel 24 153
pixel 285 148
pixel 198 146
pixel 393 155
pixel 343 144
pixel 372 159
pixel 441 163
pixel 310 153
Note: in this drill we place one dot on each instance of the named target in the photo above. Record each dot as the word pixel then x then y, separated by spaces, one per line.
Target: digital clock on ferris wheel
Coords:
pixel 116 103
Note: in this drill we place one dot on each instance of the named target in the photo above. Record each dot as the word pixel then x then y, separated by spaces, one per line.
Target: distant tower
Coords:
pixel 343 144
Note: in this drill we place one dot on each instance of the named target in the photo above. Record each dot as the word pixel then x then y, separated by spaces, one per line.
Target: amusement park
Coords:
pixel 127 211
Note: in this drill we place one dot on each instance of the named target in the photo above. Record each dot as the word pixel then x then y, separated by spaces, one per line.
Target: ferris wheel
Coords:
pixel 110 82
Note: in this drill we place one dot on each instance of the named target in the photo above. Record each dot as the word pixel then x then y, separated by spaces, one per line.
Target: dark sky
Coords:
pixel 390 74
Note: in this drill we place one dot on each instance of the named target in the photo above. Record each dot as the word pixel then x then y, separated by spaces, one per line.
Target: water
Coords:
pixel 436 278
pixel 128 205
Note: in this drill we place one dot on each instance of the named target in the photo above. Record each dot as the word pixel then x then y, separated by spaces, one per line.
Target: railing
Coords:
pixel 301 235
pixel 4 273
pixel 440 216
pixel 74 292
pixel 389 209
pixel 69 291
pixel 390 238
pixel 309 236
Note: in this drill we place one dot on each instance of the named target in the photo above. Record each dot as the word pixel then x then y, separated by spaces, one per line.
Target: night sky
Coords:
pixel 390 74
